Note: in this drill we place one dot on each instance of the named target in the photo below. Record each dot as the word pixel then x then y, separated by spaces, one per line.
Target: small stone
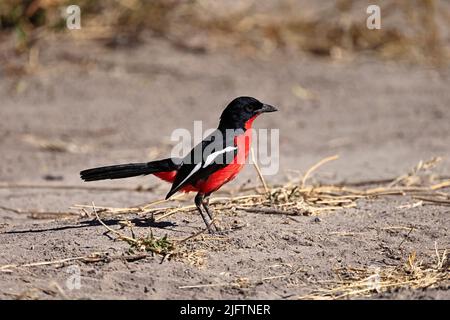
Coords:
pixel 51 177
pixel 317 219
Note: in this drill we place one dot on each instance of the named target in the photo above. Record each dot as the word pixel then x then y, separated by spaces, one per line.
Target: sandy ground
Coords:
pixel 105 107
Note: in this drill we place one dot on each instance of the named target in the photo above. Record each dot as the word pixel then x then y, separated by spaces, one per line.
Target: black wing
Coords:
pixel 204 159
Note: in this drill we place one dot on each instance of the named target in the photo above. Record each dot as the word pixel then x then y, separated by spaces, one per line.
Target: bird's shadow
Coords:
pixel 136 222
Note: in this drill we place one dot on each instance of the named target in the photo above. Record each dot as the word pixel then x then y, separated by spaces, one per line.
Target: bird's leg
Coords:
pixel 206 217
pixel 205 203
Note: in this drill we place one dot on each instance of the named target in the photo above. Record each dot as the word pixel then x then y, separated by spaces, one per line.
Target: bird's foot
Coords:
pixel 215 229
pixel 219 231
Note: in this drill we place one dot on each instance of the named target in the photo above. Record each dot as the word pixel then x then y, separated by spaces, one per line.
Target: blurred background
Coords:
pixel 114 90
pixel 416 30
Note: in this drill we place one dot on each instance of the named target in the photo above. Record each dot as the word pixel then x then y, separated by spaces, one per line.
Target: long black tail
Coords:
pixel 128 170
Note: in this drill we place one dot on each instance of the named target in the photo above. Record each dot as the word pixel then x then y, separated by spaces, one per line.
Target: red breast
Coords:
pixel 224 175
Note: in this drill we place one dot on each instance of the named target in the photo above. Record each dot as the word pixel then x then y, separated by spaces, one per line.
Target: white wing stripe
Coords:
pixel 196 168
pixel 210 158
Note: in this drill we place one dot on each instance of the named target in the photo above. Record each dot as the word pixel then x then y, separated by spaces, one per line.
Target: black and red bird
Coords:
pixel 208 166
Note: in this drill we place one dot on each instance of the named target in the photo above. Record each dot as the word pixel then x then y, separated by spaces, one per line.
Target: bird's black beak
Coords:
pixel 268 108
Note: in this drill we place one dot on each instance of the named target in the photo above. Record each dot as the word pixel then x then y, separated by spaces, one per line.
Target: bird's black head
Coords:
pixel 240 110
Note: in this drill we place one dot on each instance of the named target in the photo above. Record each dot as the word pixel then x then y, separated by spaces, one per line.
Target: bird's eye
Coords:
pixel 249 108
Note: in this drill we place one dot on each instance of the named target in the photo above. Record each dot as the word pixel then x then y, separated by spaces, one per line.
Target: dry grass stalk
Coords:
pixel 70 187
pixel 258 171
pixel 243 282
pixel 35 214
pixel 368 281
pixel 89 258
pixel 316 166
